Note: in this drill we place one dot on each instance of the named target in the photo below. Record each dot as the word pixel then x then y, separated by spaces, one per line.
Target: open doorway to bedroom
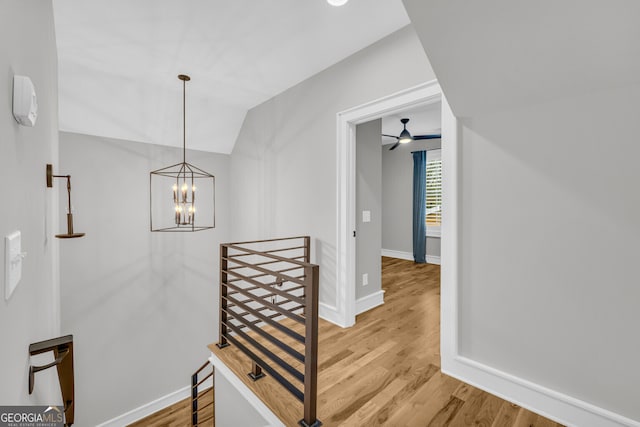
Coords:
pixel 397 195
pixel 398 203
pixel 425 95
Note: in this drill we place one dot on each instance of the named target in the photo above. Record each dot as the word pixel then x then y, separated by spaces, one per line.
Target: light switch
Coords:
pixel 366 216
pixel 13 256
pixel 365 279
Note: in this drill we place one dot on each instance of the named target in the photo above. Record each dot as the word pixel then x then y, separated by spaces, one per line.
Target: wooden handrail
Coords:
pixel 292 297
pixel 62 348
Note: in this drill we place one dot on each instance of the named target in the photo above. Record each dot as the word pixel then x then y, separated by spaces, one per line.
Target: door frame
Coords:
pixel 344 311
pixel 528 394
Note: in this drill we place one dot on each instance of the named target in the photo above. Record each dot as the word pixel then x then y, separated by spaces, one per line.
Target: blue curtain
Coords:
pixel 419 206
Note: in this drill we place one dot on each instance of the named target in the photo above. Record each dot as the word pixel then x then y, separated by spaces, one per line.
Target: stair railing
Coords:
pixel 196 395
pixel 269 311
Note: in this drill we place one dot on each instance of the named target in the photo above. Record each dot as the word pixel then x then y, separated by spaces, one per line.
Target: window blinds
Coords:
pixel 434 189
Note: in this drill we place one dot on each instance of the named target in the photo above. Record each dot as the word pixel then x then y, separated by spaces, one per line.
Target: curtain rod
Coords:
pixel 430 149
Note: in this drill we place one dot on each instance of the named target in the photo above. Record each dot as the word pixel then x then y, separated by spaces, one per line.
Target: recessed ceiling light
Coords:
pixel 337 2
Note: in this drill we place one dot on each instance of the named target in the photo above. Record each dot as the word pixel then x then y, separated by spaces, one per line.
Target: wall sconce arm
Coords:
pixel 50 176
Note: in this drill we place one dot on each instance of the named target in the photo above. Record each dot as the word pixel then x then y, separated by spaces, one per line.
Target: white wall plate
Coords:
pixel 12 262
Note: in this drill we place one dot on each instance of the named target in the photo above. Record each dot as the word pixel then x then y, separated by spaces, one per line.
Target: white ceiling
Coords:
pixel 119 60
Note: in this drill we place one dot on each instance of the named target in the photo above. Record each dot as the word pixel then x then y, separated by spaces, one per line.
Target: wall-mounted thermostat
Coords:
pixel 25 103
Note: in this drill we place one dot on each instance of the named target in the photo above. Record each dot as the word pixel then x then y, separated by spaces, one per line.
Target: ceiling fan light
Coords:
pixel 337 2
pixel 404 137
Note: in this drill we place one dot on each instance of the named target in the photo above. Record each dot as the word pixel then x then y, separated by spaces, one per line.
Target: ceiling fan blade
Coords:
pixel 431 136
pixel 394 146
pixel 390 136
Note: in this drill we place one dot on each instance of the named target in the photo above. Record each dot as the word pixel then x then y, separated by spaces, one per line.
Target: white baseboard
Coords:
pixel 331 314
pixel 431 259
pixel 148 408
pixel 551 404
pixel 370 301
pixel 397 254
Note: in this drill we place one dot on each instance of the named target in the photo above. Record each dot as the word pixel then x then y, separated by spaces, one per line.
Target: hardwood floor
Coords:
pixel 385 370
pixel 179 414
pixel 382 372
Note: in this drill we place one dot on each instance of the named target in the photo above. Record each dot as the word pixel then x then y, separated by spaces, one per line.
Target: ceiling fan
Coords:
pixel 406 137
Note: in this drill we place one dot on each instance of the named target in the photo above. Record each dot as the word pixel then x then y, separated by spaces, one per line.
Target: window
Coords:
pixel 434 193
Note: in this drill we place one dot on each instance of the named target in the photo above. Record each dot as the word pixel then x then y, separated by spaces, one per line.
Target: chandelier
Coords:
pixel 175 208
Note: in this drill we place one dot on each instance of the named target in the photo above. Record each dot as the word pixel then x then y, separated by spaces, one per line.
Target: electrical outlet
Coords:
pixel 365 279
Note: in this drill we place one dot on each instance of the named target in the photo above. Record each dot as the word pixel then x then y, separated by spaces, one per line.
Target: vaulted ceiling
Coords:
pixel 119 60
pixel 493 55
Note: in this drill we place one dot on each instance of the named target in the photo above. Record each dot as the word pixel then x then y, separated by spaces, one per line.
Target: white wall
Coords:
pixel 27 46
pixel 563 315
pixel 549 213
pixel 369 198
pixel 232 408
pixel 283 167
pixel 142 306
pixel 397 198
pixel 493 55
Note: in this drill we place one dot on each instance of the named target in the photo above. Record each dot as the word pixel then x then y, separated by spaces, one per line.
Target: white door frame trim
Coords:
pixel 550 403
pixel 426 93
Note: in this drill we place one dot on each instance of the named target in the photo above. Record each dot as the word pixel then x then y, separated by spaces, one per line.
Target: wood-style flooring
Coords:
pixel 179 414
pixel 384 371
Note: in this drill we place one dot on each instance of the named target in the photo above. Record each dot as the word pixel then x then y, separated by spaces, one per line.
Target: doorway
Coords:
pixel 422 95
pixel 397 181
pixel 384 195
